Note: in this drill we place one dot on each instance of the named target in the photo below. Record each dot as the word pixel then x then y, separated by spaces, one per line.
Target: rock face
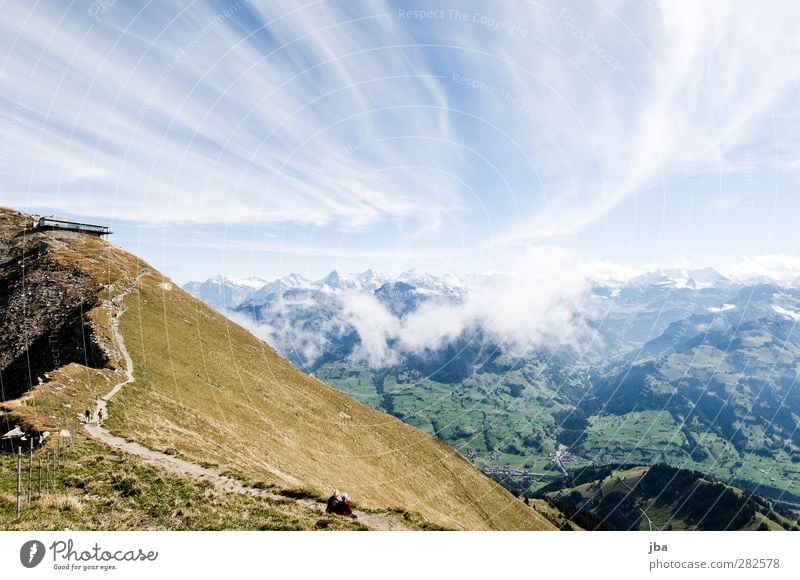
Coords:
pixel 41 310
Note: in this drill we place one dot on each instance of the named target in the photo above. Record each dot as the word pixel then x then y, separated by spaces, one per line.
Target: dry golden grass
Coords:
pixel 61 502
pixel 211 392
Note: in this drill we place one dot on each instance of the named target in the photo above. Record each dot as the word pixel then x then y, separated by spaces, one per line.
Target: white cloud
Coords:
pixel 375 326
pixel 537 307
pixel 307 345
pixel 777 267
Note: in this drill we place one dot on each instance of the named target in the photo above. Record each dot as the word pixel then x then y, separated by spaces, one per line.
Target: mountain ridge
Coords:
pixel 204 386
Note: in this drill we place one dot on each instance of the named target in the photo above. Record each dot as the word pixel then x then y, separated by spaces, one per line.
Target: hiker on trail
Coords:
pixel 333 503
pixel 99 416
pixel 88 415
pixel 345 509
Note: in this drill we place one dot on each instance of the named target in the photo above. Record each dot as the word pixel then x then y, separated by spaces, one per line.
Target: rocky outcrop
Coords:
pixel 42 306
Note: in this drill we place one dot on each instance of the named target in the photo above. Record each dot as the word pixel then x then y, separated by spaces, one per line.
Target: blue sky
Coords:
pixel 262 138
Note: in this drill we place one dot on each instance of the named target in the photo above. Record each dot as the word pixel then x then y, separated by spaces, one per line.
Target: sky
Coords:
pixel 263 138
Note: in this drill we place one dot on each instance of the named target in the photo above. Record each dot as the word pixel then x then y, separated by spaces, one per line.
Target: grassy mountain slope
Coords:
pixel 97 488
pixel 210 392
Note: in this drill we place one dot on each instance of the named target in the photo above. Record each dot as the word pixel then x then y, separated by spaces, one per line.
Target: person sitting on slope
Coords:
pixel 333 503
pixel 345 509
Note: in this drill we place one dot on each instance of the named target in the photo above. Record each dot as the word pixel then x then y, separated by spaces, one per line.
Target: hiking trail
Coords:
pixel 179 466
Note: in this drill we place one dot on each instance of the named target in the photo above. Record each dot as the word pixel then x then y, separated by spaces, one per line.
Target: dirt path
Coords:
pixel 182 467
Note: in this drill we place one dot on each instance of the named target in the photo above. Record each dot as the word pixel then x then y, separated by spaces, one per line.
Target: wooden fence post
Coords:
pixel 30 471
pixel 19 477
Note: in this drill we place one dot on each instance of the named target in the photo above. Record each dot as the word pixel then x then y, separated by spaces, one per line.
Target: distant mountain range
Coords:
pixel 683 366
pixel 229 293
pixel 221 292
pixel 624 316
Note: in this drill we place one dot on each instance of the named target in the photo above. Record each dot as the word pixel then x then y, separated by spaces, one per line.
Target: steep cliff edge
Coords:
pixel 42 303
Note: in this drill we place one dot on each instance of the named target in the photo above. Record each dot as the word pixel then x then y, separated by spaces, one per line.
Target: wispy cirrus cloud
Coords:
pixel 428 129
pixel 222 113
pixel 707 83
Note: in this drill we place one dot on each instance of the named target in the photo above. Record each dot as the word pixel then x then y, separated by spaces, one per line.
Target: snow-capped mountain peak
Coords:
pixel 337 281
pixel 223 292
pixel 368 280
pixel 280 285
pixel 253 283
pixel 372 280
pixel 447 284
pixel 295 281
pixel 695 279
